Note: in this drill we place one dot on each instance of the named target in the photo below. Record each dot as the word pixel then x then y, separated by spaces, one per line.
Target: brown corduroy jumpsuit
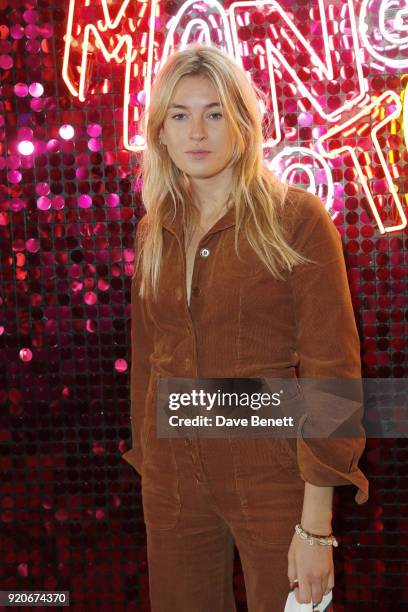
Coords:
pixel 202 495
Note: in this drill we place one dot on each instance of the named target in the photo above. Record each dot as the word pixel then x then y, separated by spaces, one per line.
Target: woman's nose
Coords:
pixel 197 129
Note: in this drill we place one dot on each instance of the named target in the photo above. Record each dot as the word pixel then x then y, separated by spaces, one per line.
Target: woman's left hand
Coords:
pixel 312 566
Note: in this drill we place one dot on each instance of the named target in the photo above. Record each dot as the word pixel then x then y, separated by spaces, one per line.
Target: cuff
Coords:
pixel 134 457
pixel 333 462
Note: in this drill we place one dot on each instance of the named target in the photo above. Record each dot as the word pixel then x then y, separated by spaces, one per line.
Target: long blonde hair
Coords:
pixel 257 194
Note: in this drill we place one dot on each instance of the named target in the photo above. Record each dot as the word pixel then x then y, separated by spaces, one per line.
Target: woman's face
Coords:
pixel 192 124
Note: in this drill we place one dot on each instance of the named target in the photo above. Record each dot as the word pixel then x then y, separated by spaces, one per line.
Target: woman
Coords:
pixel 237 276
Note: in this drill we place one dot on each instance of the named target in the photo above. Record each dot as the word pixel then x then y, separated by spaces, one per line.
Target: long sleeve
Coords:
pixel 140 374
pixel 328 347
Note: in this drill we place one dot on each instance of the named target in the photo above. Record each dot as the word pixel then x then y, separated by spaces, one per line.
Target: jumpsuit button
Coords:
pixel 204 252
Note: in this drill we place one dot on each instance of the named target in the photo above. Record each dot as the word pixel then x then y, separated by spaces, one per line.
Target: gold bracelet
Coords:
pixel 328 540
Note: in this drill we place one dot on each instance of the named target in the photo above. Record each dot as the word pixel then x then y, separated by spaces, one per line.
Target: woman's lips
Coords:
pixel 197 154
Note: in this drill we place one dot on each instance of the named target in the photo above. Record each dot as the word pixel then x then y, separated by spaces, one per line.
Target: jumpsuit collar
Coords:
pixel 175 225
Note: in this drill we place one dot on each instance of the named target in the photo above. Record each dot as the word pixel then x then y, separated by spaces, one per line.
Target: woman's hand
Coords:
pixel 312 566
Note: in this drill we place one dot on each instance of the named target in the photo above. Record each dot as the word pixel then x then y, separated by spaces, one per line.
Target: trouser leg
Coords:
pixel 191 570
pixel 190 558
pixel 263 548
pixel 260 496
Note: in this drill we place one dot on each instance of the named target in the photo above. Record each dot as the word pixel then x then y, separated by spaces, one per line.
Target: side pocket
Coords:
pixel 287 454
pixel 160 482
pixel 287 446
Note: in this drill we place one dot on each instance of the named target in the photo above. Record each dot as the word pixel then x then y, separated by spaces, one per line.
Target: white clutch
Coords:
pixel 324 606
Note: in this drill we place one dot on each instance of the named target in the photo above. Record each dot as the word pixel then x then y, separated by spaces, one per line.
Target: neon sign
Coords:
pixel 390 37
pixel 284 165
pixel 103 33
pixel 369 120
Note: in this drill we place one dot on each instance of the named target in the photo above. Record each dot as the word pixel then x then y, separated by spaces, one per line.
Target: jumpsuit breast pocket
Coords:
pixel 160 483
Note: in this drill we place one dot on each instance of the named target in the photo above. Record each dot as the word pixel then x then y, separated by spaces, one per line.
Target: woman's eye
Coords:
pixel 183 115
